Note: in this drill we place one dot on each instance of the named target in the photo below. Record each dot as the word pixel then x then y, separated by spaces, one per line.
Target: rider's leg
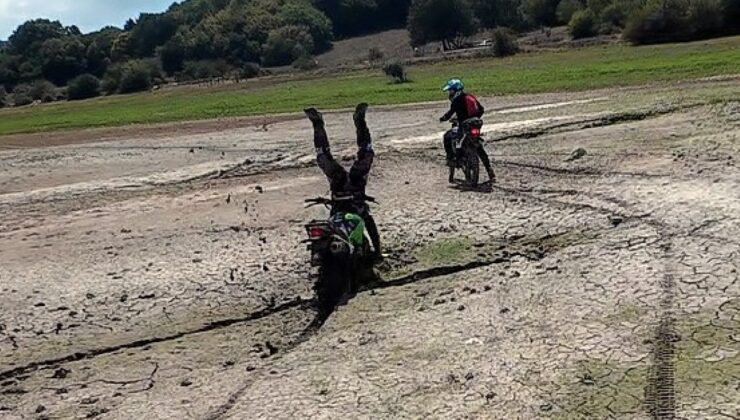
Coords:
pixel 365 153
pixel 372 231
pixel 361 168
pixel 486 162
pixel 449 138
pixel 331 168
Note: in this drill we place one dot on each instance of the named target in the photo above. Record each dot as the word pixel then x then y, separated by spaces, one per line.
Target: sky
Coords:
pixel 88 15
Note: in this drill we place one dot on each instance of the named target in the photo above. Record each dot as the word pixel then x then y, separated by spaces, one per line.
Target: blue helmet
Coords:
pixel 454 84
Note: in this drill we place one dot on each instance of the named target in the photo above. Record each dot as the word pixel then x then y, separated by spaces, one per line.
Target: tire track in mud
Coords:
pixel 533 254
pixel 596 122
pixel 660 390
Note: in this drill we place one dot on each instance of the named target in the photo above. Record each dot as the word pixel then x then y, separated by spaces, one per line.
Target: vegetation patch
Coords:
pixel 582 69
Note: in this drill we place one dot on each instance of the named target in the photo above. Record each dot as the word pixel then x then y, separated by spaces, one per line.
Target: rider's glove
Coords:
pixel 442 119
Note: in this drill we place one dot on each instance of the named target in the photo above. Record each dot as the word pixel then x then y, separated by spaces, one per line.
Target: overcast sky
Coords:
pixel 88 15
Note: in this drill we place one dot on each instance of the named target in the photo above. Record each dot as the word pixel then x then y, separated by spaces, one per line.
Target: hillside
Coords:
pixel 216 39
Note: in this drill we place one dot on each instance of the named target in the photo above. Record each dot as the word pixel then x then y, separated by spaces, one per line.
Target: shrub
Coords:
pixel 396 71
pixel 204 69
pixel 44 91
pixel 22 95
pixel 83 87
pixel 374 55
pixel 249 70
pixel 504 43
pixel 706 18
pixel 135 77
pixel 566 9
pixel 658 22
pixel 305 62
pixel 3 97
pixel 112 79
pixel 582 25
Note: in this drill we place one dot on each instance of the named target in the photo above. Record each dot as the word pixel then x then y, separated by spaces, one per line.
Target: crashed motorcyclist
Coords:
pixel 348 188
pixel 464 106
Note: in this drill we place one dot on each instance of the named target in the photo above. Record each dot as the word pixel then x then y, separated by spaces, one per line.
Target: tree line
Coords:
pixel 198 39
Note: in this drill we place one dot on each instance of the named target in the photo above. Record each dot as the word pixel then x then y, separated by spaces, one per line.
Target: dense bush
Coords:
pixel 657 22
pixel 249 70
pixel 504 43
pixel 138 75
pixel 83 87
pixel 396 71
pixel 441 20
pixel 204 69
pixel 566 9
pixel 305 62
pixel 681 20
pixel 44 91
pixel 3 97
pixel 22 95
pixel 540 12
pixel 706 18
pixel 582 24
pixel 285 45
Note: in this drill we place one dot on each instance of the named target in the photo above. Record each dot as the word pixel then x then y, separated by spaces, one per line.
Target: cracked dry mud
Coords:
pixel 164 278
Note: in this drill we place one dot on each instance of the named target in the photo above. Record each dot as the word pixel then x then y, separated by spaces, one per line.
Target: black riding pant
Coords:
pixel 354 181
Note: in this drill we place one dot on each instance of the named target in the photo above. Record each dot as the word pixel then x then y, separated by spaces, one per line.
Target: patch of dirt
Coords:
pixel 148 275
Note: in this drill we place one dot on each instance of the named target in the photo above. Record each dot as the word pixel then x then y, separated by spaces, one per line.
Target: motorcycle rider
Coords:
pixel 348 188
pixel 464 106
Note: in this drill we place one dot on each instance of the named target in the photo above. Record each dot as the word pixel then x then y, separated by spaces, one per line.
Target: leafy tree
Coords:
pixel 540 12
pixel 151 30
pixel 43 90
pixel 172 54
pixel 285 45
pixel 298 13
pixel 582 24
pixel 62 59
pixel 99 48
pixel 493 13
pixel 29 36
pixel 83 87
pixel 566 9
pixel 441 20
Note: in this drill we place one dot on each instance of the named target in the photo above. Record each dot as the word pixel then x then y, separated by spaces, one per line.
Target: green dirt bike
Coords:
pixel 340 250
pixel 465 147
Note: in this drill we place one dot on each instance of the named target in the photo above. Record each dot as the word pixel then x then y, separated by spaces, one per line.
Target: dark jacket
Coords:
pixel 465 106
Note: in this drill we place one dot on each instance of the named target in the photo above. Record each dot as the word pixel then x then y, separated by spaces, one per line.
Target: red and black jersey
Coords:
pixel 465 106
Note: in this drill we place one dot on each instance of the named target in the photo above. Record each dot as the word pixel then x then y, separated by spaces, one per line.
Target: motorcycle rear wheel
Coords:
pixel 471 166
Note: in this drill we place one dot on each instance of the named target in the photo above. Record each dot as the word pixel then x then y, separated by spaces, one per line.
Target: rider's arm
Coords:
pixel 448 115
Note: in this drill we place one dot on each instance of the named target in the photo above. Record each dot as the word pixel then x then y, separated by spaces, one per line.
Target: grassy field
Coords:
pixel 580 69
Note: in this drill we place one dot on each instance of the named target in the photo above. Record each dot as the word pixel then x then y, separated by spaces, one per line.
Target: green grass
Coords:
pixel 580 69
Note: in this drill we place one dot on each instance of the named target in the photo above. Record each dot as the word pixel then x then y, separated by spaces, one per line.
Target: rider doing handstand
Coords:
pixel 348 188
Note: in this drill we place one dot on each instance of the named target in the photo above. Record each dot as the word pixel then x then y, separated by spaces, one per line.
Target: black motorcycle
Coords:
pixel 465 148
pixel 340 250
